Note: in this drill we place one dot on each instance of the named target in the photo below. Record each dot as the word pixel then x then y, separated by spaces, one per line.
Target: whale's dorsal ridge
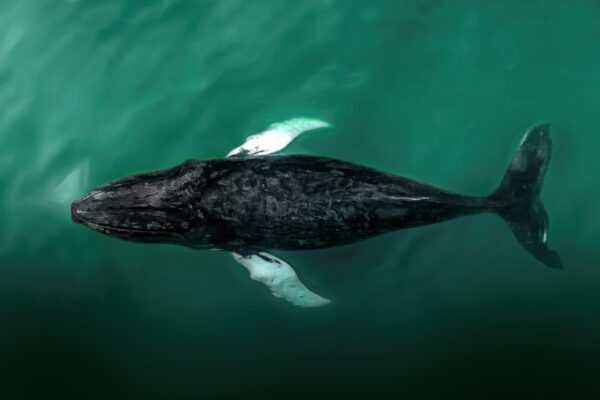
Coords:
pixel 276 137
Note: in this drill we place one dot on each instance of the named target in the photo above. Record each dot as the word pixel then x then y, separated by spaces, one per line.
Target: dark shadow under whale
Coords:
pixel 296 202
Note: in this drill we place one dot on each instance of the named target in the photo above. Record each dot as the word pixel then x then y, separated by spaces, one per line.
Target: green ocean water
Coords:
pixel 439 91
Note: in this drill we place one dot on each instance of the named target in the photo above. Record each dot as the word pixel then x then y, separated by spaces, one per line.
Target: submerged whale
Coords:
pixel 252 202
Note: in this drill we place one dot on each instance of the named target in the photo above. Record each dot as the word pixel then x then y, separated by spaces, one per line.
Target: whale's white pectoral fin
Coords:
pixel 280 278
pixel 276 137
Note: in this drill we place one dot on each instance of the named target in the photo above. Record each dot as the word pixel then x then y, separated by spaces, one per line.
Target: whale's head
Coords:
pixel 150 207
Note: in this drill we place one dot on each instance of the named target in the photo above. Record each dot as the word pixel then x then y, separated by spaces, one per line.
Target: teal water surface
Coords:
pixel 439 91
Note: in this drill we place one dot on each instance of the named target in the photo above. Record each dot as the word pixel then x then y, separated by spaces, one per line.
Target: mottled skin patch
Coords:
pixel 304 202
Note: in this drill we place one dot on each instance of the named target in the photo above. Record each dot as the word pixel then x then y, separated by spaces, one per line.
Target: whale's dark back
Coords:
pixel 304 202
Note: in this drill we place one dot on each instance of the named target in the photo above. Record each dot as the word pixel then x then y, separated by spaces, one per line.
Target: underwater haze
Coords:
pixel 438 91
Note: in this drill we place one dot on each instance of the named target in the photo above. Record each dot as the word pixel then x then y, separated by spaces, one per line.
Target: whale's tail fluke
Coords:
pixel 517 199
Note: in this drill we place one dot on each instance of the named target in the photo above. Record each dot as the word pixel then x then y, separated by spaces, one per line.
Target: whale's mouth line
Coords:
pixel 109 228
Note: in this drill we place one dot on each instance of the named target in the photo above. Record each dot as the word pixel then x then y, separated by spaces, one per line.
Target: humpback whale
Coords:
pixel 252 202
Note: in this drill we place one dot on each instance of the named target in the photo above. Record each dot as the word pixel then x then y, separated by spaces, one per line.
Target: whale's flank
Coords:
pixel 517 199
